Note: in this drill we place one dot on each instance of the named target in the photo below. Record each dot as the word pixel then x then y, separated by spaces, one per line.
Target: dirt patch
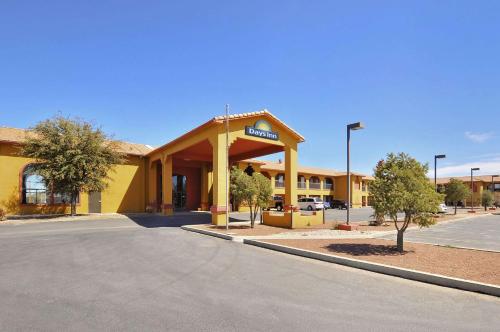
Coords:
pixel 474 265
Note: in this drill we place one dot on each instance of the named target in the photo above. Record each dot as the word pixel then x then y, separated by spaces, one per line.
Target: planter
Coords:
pixel 345 227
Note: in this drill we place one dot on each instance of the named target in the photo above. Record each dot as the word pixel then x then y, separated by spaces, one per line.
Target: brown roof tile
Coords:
pixel 276 166
pixel 483 178
pixel 18 136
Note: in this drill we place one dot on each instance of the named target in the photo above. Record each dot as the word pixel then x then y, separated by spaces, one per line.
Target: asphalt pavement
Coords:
pixel 474 232
pixel 147 274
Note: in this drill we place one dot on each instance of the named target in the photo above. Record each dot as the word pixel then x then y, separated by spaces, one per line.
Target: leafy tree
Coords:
pixel 72 156
pixel 401 185
pixel 254 191
pixel 456 191
pixel 487 199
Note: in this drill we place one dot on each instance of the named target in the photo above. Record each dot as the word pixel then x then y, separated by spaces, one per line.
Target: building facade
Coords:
pixel 188 173
pixel 478 186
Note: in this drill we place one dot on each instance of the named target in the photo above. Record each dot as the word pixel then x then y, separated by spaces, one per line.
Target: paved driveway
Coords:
pixel 145 276
pixel 477 232
pixel 356 214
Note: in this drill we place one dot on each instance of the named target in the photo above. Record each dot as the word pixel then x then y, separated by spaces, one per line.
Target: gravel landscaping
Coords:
pixel 474 265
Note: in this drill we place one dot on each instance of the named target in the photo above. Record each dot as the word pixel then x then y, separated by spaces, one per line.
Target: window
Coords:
pixel 279 182
pixel 363 188
pixel 301 182
pixel 314 183
pixel 34 190
pixel 33 187
pixel 329 184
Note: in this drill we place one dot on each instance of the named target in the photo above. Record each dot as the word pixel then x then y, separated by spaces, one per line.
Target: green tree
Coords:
pixel 456 191
pixel 72 156
pixel 487 199
pixel 255 191
pixel 401 185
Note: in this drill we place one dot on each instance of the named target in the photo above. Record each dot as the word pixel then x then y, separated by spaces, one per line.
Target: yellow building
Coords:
pixel 188 173
pixel 326 184
pixel 481 183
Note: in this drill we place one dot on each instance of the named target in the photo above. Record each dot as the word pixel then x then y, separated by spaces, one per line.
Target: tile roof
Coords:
pixel 277 166
pixel 221 119
pixel 17 135
pixel 258 113
pixel 483 178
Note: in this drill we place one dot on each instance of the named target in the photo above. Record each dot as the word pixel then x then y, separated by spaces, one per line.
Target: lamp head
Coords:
pixel 440 156
pixel 356 126
pixel 475 169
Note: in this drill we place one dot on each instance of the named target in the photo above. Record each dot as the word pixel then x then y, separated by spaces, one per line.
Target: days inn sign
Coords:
pixel 262 129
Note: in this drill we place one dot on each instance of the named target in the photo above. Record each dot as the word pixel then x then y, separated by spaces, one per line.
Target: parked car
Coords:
pixel 311 203
pixel 327 205
pixel 338 204
pixel 277 203
pixel 442 208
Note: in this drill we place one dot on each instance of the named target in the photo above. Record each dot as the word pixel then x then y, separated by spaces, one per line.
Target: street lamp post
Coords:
pixel 436 157
pixel 472 188
pixel 352 126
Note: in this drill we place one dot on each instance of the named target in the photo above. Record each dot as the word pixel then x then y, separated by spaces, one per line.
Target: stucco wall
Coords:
pixel 124 194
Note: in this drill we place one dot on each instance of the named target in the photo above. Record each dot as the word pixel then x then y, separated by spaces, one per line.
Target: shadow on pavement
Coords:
pixel 176 220
pixel 364 249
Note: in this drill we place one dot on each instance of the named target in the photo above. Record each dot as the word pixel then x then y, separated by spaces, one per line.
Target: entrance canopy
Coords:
pixel 251 135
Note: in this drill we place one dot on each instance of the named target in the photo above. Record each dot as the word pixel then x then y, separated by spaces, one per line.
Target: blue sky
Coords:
pixel 423 76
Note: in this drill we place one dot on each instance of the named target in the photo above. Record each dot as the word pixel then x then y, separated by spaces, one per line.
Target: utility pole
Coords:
pixel 436 157
pixel 352 126
pixel 227 167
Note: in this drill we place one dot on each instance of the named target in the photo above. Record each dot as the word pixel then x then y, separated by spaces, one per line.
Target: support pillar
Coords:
pixel 204 187
pixel 219 157
pixel 152 204
pixel 290 176
pixel 167 206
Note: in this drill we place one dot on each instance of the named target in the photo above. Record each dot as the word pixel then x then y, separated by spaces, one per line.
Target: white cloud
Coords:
pixel 478 137
pixel 486 168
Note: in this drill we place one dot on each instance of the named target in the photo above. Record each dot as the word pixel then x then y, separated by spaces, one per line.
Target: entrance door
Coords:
pixel 95 202
pixel 179 194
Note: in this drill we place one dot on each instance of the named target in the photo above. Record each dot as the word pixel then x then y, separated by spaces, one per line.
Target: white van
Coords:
pixel 310 203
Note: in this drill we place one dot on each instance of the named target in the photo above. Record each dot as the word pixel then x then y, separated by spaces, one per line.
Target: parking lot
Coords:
pixel 146 274
pixel 475 232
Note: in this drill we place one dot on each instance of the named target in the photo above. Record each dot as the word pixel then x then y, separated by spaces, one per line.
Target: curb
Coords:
pixel 429 278
pixel 215 234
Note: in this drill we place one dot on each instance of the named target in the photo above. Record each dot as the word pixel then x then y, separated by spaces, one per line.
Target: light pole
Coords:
pixel 472 188
pixel 436 157
pixel 493 183
pixel 227 167
pixel 352 126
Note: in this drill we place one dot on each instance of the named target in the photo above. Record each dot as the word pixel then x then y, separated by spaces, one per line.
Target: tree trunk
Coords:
pixel 252 218
pixel 73 204
pixel 400 241
pixel 456 208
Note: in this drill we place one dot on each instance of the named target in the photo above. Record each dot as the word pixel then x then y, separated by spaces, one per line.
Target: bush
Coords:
pixel 2 215
pixel 487 199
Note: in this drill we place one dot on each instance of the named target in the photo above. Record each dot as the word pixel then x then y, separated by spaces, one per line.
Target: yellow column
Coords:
pixel 219 160
pixel 204 187
pixel 167 185
pixel 290 176
pixel 273 179
pixel 152 204
pixel 307 186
